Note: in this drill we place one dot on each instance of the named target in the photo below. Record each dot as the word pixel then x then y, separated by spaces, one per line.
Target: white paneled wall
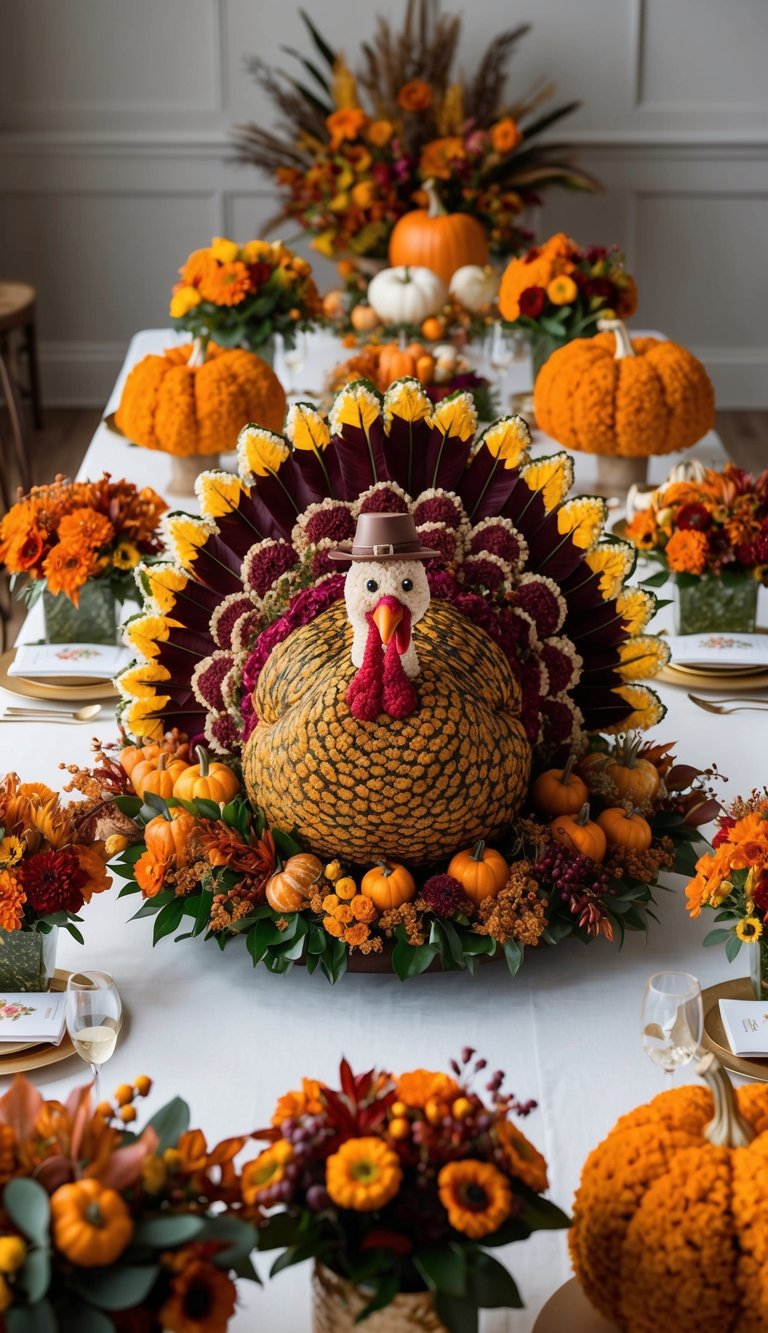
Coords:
pixel 115 160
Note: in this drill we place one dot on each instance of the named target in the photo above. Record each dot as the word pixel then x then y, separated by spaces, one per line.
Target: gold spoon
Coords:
pixel 19 713
pixel 739 705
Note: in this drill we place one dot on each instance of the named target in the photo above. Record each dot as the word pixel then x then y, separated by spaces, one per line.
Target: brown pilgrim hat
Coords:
pixel 384 537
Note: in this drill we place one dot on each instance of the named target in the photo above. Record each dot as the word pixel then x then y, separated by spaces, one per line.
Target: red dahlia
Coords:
pixel 694 516
pixel 444 895
pixel 53 881
pixel 532 302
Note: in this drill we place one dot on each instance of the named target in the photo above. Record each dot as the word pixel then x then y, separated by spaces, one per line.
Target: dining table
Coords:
pixel 230 1038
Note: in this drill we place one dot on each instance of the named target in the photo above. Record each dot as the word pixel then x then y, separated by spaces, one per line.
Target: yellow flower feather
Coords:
pixel 406 401
pixel 552 477
pixel 508 439
pixel 306 428
pixel 456 416
pixel 259 452
pixel 218 492
pixel 186 535
pixel 646 705
pixel 643 657
pixel 582 519
pixel 613 561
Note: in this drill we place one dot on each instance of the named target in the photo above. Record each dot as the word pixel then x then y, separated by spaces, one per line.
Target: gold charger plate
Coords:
pixel 569 1311
pixel 713 680
pixel 21 1057
pixel 714 1038
pixel 706 671
pixel 38 689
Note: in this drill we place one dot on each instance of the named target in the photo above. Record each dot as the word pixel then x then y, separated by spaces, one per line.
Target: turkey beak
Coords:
pixel 387 616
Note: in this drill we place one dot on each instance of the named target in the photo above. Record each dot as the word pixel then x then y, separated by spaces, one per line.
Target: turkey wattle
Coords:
pixel 392 730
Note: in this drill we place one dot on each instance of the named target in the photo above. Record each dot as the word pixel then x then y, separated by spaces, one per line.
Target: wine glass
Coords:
pixel 672 1019
pixel 294 358
pixel 94 1019
pixel 504 347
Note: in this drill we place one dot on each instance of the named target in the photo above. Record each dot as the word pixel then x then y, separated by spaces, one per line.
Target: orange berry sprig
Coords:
pixel 124 1096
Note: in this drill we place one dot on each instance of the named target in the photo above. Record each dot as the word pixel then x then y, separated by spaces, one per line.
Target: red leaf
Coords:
pixel 20 1107
pixel 681 776
pixel 348 1085
pixel 124 1166
pixel 703 814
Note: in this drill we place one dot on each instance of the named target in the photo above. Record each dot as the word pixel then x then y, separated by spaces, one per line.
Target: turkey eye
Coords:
pixel 407 585
pixel 371 585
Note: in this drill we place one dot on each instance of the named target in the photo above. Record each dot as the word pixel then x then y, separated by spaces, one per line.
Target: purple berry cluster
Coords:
pixel 580 883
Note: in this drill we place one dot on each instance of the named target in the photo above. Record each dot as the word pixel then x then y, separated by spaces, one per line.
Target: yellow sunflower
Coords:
pixel 11 851
pixel 126 556
pixel 266 1170
pixel 476 1197
pixel 363 1175
pixel 522 1159
pixel 751 928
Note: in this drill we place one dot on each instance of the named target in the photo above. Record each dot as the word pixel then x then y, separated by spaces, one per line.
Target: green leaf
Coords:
pixel 161 1232
pixel 541 1214
pixel 719 936
pixel 459 1316
pixel 409 960
pixel 334 960
pixel 278 1232
pixel 478 945
pixel 115 1288
pixel 83 1319
pixel 285 843
pixel 203 914
pixel 127 805
pixel 157 804
pixel 732 947
pixel 490 1285
pixel 31 1319
pixel 237 1239
pixel 514 954
pixel 169 1123
pixel 153 906
pixel 36 1275
pixel 385 1290
pixel 168 919
pixel 443 1268
pixel 26 1203
pixel 655 580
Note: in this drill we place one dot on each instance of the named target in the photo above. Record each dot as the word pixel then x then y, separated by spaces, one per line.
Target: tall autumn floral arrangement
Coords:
pixel 352 150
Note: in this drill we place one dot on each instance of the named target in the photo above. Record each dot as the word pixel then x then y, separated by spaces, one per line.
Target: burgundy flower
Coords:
pixel 225 731
pixel 477 569
pixel 532 302
pixel 226 617
pixel 694 517
pixel 439 539
pixel 497 539
pixel 539 601
pixel 209 678
pixel 444 895
pixel 601 289
pixel 265 563
pixel 438 509
pixel 760 895
pixel 334 521
pixel 726 823
pixel 53 881
pixel 384 500
pixel 560 668
pixel 442 584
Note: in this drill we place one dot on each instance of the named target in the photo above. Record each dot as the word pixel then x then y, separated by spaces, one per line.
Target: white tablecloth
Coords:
pixel 230 1038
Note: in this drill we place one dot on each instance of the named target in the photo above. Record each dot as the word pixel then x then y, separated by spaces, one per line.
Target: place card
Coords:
pixel 71 661
pixel 720 649
pixel 33 1016
pixel 745 1023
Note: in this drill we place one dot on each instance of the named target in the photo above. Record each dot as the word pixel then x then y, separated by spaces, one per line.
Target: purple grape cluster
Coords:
pixel 578 881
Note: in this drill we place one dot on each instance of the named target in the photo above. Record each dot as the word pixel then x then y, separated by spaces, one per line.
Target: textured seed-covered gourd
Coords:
pixel 413 789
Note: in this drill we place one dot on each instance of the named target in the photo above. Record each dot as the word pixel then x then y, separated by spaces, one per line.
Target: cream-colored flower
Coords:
pixel 259 452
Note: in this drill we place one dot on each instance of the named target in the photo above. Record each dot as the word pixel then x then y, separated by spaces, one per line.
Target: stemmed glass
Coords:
pixel 94 1019
pixel 672 1019
pixel 504 347
pixel 294 359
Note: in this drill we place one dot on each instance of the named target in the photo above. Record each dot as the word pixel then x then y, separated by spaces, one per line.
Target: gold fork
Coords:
pixel 740 704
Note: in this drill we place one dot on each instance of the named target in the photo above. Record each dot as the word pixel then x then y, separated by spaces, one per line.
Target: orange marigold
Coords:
pixel 305 1101
pixel 86 527
pixel 686 552
pixel 12 899
pixel 226 284
pixel 437 157
pixel 67 568
pixel 521 1157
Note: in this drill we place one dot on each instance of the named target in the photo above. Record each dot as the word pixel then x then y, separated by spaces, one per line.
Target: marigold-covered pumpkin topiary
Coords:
pixel 670 1227
pixel 184 407
pixel 630 398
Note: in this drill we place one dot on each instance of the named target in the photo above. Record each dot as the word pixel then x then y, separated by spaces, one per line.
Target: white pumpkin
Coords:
pixel 406 295
pixel 475 287
pixel 446 363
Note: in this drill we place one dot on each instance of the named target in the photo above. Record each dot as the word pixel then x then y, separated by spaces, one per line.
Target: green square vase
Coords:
pixel 708 603
pixel 94 620
pixel 27 959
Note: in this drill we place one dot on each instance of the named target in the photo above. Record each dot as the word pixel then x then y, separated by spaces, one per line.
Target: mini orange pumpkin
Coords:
pixel 91 1225
pixel 435 239
pixel 481 871
pixel 166 839
pixel 160 776
pixel 394 363
pixel 425 369
pixel 433 329
pixel 206 781
pixel 389 884
pixel 626 828
pixel 558 791
pixel 288 889
pixel 363 318
pixel 581 834
pixel 131 755
pixel 636 780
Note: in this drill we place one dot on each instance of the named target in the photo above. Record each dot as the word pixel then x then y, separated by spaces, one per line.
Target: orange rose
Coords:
pixel 505 135
pixel 437 157
pixel 345 124
pixel 150 874
pixel 414 96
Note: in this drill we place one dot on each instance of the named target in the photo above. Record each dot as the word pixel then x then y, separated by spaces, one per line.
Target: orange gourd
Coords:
pixel 173 403
pixel 91 1225
pixel 558 791
pixel 206 781
pixel 581 834
pixel 630 398
pixel 425 369
pixel 435 239
pixel 160 775
pixel 626 828
pixel 395 363
pixel 363 318
pixel 481 872
pixel 433 328
pixel 289 888
pixel 165 838
pixel 634 779
pixel 131 755
pixel 669 1228
pixel 389 884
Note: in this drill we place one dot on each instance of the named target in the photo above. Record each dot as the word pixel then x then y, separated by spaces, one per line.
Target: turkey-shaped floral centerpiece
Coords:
pixel 389 625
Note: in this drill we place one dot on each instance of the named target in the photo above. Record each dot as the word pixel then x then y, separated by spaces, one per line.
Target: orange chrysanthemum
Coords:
pixel 686 552
pixel 67 568
pixel 415 96
pixel 12 899
pixel 85 527
pixel 149 874
pixel 226 284
pixel 305 1101
pixel 92 861
pixel 198 267
pixel 420 1086
pixel 364 1174
pixel 522 1158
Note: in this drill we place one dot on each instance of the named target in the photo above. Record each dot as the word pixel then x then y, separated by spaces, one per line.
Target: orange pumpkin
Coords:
pixel 206 781
pixel 626 828
pixel 425 369
pixel 160 776
pixel 363 318
pixel 558 791
pixel 630 398
pixel 581 834
pixel 636 780
pixel 172 403
pixel 389 884
pixel 166 839
pixel 131 755
pixel 481 871
pixel 394 363
pixel 91 1225
pixel 435 239
pixel 433 328
pixel 288 889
